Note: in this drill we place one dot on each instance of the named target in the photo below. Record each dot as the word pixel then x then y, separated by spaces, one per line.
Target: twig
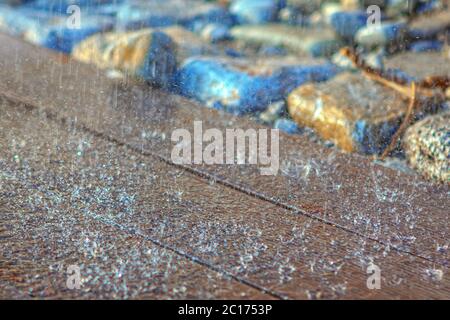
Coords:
pixel 406 121
pixel 435 87
pixel 393 82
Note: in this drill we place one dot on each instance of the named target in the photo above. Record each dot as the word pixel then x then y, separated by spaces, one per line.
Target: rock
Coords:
pixel 272 51
pixel 430 26
pixel 427 147
pixel 287 126
pixel 328 9
pixel 59 7
pixel 410 7
pixel 381 34
pixel 380 3
pixel 188 44
pixel 191 14
pixel 315 42
pixel 425 46
pixel 215 32
pixel 430 6
pixel 49 30
pixel 247 85
pixel 239 49
pixel 347 23
pixel 254 11
pixel 304 6
pixel 354 112
pixel 420 65
pixel 233 53
pixel 299 12
pixel 146 53
pixel 342 61
pixel 292 16
pixel 373 59
pixel 400 7
pixel 273 112
pixel 15 2
pixel 349 5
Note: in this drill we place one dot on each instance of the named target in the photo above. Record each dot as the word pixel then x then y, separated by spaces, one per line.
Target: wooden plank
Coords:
pixel 113 264
pixel 68 176
pixel 346 191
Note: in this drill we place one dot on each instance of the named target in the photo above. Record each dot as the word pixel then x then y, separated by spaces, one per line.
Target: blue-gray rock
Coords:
pixel 272 51
pixel 426 45
pixel 191 14
pixel 273 112
pixel 214 32
pixel 60 6
pixel 347 23
pixel 286 125
pixel 255 11
pixel 50 30
pixel 244 86
pixel 381 34
pixel 316 42
pixel 373 59
pixel 430 26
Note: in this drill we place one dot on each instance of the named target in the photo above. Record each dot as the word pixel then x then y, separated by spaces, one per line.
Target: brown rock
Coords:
pixel 356 113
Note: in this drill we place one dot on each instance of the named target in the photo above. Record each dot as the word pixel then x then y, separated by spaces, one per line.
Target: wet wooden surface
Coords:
pixel 85 157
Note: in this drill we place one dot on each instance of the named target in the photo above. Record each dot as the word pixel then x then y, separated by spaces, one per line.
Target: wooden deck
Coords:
pixel 87 180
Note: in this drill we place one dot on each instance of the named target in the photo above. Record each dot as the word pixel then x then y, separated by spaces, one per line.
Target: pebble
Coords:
pixel 14 2
pixel 215 32
pixel 287 126
pixel 60 6
pixel 316 42
pixel 427 147
pixel 400 7
pixel 272 51
pixel 356 113
pixel 242 85
pixel 305 6
pixel 192 14
pixel 347 23
pixel 430 26
pixel 373 59
pixel 188 44
pixel 255 11
pixel 147 53
pixel 274 111
pixel 327 11
pixel 50 30
pixel 292 16
pixel 425 46
pixel 382 34
pixel 420 65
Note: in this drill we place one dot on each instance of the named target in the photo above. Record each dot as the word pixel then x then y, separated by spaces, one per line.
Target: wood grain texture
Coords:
pixel 59 181
pixel 309 232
